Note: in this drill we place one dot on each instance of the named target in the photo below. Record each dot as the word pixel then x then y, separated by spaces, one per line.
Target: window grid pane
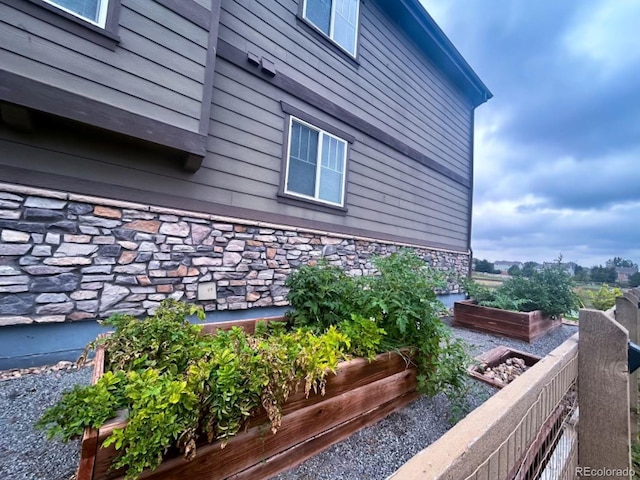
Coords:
pixel 345 23
pixel 303 152
pixel 318 12
pixel 338 19
pixel 331 177
pixel 316 164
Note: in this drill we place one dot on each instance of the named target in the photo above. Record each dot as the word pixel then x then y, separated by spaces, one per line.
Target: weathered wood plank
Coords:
pixel 626 313
pixel 89 445
pixel 302 451
pixel 525 326
pixel 374 381
pixel 603 377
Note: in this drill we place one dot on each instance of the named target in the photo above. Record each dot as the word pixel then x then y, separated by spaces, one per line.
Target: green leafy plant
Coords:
pixel 549 290
pixel 164 341
pixel 403 297
pixel 320 295
pixel 364 336
pixel 85 407
pixel 605 297
pixel 402 300
pixel 503 300
pixel 161 409
pixel 179 385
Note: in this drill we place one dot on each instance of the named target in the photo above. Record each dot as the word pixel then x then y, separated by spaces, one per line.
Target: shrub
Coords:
pixel 403 297
pixel 634 280
pixel 177 384
pixel 321 296
pixel 605 297
pixel 550 290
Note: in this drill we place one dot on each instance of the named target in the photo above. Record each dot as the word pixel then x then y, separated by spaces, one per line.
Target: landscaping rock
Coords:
pixel 20 304
pixel 65 282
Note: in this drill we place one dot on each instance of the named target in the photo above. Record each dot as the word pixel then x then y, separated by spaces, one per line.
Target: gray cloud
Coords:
pixel 557 147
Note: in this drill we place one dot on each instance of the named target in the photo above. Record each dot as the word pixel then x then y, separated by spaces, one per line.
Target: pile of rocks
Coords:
pixel 21 372
pixel 505 372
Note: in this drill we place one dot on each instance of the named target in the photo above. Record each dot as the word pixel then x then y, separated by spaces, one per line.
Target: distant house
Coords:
pixel 505 265
pixel 569 267
pixel 623 273
pixel 204 149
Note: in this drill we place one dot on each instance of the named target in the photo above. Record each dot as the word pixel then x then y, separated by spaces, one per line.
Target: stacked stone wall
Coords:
pixel 66 257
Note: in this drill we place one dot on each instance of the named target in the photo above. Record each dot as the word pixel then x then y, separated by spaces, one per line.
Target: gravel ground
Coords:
pixel 25 453
pixel 373 453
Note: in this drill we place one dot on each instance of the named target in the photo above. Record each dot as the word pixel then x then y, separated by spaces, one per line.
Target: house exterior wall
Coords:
pixel 94 221
pixel 67 257
pixel 156 70
pixel 394 86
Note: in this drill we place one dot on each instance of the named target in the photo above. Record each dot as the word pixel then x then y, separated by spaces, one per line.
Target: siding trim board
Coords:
pixel 46 98
pixel 242 29
pixel 221 212
pixel 193 11
pixel 106 37
pixel 238 58
pixel 327 127
pixel 470 220
pixel 210 69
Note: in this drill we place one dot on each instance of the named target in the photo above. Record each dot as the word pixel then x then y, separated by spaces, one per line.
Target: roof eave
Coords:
pixel 434 41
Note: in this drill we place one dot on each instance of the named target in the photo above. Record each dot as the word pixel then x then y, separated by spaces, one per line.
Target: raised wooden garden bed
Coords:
pixel 360 394
pixel 525 326
pixel 497 356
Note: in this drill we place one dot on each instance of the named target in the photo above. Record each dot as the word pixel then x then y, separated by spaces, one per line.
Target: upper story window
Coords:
pixel 93 11
pixel 316 164
pixel 338 19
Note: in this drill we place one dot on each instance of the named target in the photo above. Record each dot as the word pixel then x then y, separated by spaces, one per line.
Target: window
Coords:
pixel 316 164
pixel 93 11
pixel 337 19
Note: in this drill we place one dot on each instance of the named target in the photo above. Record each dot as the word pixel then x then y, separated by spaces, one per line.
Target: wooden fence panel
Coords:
pixel 503 429
pixel 627 316
pixel 603 379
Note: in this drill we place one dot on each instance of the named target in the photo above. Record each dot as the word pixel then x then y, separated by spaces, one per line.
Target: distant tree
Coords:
pixel 581 274
pixel 621 262
pixel 634 280
pixel 514 270
pixel 600 274
pixel 529 268
pixel 483 266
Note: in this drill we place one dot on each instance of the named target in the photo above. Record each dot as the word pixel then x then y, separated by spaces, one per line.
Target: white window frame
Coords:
pixel 102 13
pixel 332 26
pixel 321 132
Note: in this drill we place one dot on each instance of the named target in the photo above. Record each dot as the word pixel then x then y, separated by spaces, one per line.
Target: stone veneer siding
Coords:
pixel 67 257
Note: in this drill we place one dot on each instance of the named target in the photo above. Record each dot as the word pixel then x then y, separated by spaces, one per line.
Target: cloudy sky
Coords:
pixel 557 159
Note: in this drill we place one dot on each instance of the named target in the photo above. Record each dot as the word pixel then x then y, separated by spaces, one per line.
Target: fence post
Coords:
pixel 603 389
pixel 628 315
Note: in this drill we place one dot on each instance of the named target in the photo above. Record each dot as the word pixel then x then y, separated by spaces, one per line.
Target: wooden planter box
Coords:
pixel 525 326
pixel 360 394
pixel 495 357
